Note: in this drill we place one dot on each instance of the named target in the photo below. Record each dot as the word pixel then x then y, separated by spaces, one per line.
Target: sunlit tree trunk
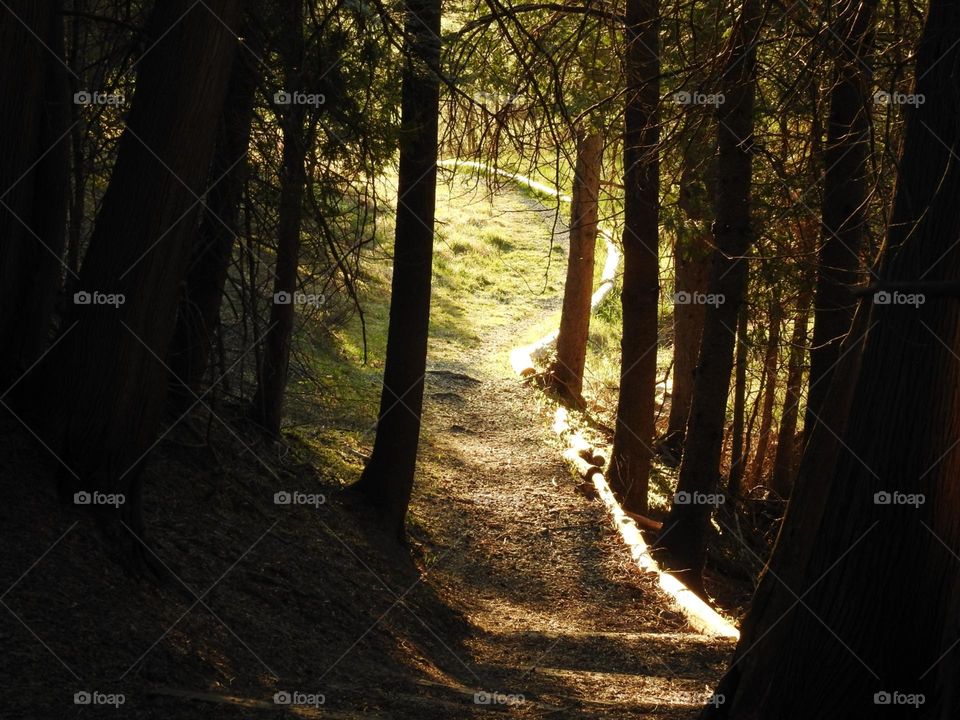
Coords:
pixel 692 266
pixel 692 255
pixel 567 370
pixel 784 462
pixel 771 362
pixel 738 453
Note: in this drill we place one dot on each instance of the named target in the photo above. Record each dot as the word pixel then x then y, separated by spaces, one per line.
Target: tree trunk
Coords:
pixel 691 261
pixel 34 179
pixel 106 377
pixel 267 406
pixel 387 480
pixel 692 268
pixel 877 578
pixel 738 456
pixel 567 370
pixel 219 227
pixel 846 183
pixel 771 363
pixel 784 463
pixel 632 454
pixel 685 533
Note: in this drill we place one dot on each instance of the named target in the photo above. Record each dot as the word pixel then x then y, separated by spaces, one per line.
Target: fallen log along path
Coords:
pixel 585 460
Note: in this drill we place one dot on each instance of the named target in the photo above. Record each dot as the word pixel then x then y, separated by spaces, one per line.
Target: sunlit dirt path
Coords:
pixel 566 626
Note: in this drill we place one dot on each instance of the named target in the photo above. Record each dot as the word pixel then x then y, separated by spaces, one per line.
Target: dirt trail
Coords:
pixel 565 619
pixel 514 585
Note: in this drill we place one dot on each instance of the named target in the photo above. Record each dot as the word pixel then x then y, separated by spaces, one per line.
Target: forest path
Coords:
pixel 564 617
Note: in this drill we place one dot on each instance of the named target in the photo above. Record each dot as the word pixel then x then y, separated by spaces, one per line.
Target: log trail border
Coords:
pixel 698 614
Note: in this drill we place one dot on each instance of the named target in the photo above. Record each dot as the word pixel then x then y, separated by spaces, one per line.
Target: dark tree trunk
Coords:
pixel 846 183
pixel 771 364
pixel 387 480
pixel 34 179
pixel 640 296
pixel 210 256
pixel 684 534
pixel 567 370
pixel 78 148
pixel 692 256
pixel 106 377
pixel 738 455
pixel 878 580
pixel 267 406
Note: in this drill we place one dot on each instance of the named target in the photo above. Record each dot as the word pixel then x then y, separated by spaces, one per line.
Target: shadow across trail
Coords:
pixel 562 616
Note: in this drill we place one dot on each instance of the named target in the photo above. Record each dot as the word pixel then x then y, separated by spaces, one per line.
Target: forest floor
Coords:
pixel 514 598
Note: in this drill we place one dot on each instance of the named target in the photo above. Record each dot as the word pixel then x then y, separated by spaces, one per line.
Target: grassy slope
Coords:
pixel 494 267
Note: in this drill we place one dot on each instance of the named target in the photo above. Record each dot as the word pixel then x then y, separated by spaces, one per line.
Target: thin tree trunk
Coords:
pixel 34 180
pixel 878 580
pixel 692 268
pixel 106 377
pixel 684 536
pixel 633 436
pixel 219 227
pixel 567 369
pixel 785 460
pixel 387 480
pixel 738 456
pixel 846 184
pixel 771 363
pixel 267 406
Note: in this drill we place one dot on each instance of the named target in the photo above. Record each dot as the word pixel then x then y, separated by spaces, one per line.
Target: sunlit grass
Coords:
pixel 498 275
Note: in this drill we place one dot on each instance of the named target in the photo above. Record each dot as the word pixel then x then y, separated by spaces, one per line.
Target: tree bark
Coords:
pixel 267 405
pixel 692 267
pixel 632 454
pixel 771 363
pixel 738 455
pixel 684 536
pixel 691 260
pixel 846 184
pixel 106 377
pixel 387 480
pixel 878 581
pixel 567 371
pixel 210 257
pixel 785 459
pixel 34 179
